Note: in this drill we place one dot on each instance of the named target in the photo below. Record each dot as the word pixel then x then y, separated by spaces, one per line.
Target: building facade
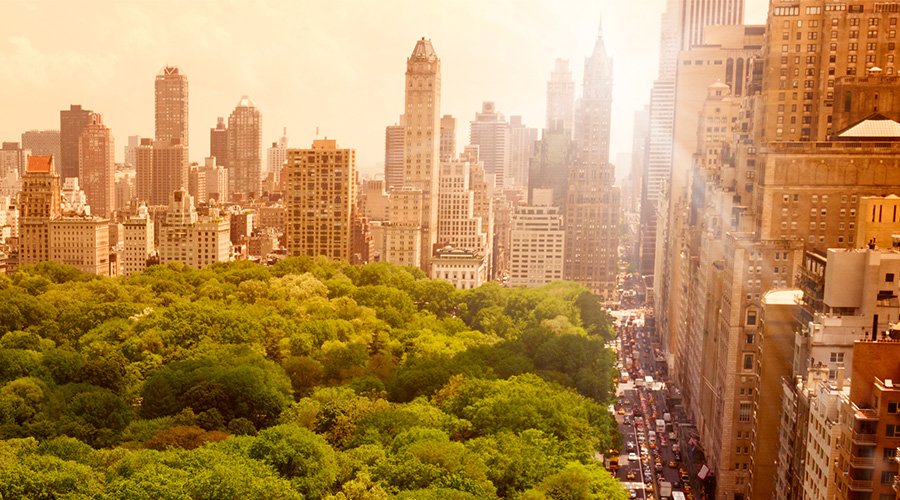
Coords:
pixel 71 123
pixel 245 159
pixel 97 166
pixel 171 106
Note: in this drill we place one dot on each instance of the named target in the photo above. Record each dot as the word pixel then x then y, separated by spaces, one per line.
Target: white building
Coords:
pixel 537 242
pixel 464 269
pixel 138 242
pixel 186 237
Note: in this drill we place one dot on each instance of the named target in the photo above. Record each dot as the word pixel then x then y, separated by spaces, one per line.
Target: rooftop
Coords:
pixel 40 164
pixel 873 126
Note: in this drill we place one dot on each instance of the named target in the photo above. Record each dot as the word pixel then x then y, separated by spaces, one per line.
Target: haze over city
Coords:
pixel 334 65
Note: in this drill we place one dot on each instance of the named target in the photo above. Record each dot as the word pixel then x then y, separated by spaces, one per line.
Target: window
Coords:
pixel 748 361
pixel 837 357
pixel 751 317
pixel 887 477
pixel 889 453
pixel 745 412
pixel 893 407
pixel 892 430
pixel 889 277
pixel 750 338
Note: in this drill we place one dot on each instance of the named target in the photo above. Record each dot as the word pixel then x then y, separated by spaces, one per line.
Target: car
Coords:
pixel 673 464
pixel 659 467
pixel 632 457
pixel 629 475
pixel 621 411
pixel 629 445
pixel 648 487
pixel 632 494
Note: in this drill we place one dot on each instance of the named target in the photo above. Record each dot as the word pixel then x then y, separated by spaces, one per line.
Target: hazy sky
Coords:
pixel 334 64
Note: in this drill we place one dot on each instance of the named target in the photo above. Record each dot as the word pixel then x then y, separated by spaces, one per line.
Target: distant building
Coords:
pixel 80 240
pixel 171 106
pixel 448 138
pixel 490 132
pixel 130 150
pixel 97 166
pixel 537 243
pixel 193 240
pixel 522 141
pixel 71 123
pixel 42 142
pixel 319 221
pixel 218 142
pixel 561 97
pixel 394 155
pixel 245 160
pixel 276 156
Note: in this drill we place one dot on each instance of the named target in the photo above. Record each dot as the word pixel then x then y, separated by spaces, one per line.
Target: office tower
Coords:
pixel 13 158
pixel 131 149
pixel 97 166
pixel 319 220
pixel 394 154
pixel 171 92
pixel 549 167
pixel 41 142
pixel 71 122
pixel 191 239
pixel 276 156
pixel 169 171
pixel 245 150
pixel 218 142
pixel 143 170
pixel 448 138
pixel 522 141
pixel 421 147
pixel 138 241
pixel 490 132
pixel 592 200
pixel 537 243
pixel 808 49
pixel 80 240
pixel 683 25
pixel 561 97
pixel 39 201
pixel 458 226
pixel 197 182
pixel 216 179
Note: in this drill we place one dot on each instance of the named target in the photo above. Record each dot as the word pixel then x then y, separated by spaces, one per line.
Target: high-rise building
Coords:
pixel 171 91
pixel 218 142
pixel 448 138
pixel 458 227
pixel 561 97
pixel 537 243
pixel 13 158
pixel 138 242
pixel 39 201
pixel 170 171
pixel 592 199
pixel 319 220
pixel 808 49
pixel 186 237
pixel 490 132
pixel 245 150
pixel 394 154
pixel 522 141
pixel 131 150
pixel 549 167
pixel 71 122
pixel 41 142
pixel 276 156
pixel 97 166
pixel 421 146
pixel 143 170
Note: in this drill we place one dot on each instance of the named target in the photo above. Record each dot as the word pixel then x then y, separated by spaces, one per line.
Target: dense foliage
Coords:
pixel 309 379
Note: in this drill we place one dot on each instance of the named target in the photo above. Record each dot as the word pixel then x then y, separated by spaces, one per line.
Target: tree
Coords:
pixel 298 454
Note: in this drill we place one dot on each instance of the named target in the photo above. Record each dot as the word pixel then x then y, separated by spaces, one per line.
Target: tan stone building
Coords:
pixel 138 242
pixel 448 138
pixel 457 224
pixel 394 152
pixel 82 241
pixel 39 201
pixel 186 237
pixel 320 200
pixel 465 269
pixel 171 106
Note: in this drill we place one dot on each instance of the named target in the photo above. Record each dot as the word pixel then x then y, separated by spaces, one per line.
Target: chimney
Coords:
pixel 840 377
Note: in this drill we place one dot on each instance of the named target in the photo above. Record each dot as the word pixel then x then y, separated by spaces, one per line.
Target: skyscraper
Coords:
pixel 592 200
pixel 448 137
pixel 490 132
pixel 39 201
pixel 319 221
pixel 171 106
pixel 41 142
pixel 561 96
pixel 522 141
pixel 71 122
pixel 170 171
pixel 276 156
pixel 218 142
pixel 422 143
pixel 245 149
pixel 97 166
pixel 394 155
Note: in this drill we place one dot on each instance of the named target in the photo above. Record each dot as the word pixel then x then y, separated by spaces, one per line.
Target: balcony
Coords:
pixel 865 414
pixel 896 484
pixel 862 462
pixel 859 485
pixel 863 438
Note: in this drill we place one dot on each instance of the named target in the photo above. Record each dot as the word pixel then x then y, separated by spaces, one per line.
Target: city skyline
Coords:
pixel 110 70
